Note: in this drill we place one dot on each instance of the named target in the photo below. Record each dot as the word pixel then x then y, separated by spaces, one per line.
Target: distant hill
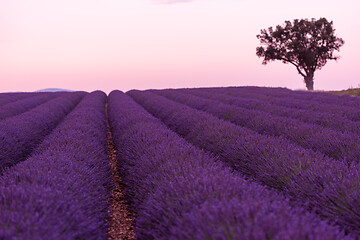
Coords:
pixel 54 90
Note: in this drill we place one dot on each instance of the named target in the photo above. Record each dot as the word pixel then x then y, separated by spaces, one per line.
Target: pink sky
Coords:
pixel 142 44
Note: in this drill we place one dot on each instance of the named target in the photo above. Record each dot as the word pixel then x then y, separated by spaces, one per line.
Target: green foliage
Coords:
pixel 306 44
pixel 350 91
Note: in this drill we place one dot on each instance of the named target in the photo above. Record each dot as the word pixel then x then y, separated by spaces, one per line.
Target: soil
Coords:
pixel 121 220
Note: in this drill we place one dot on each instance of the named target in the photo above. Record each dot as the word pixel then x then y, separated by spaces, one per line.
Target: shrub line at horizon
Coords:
pixel 23 105
pixel 338 145
pixel 180 192
pixel 63 190
pixel 324 119
pixel 329 187
pixel 350 113
pixel 6 98
pixel 19 135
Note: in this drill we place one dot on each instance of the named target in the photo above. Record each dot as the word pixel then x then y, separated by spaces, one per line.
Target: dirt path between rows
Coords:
pixel 121 220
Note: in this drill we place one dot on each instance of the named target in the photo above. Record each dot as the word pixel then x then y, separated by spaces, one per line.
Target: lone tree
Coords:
pixel 305 44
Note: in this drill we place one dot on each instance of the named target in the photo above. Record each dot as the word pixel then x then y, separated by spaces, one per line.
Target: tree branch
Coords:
pixel 297 66
pixel 316 62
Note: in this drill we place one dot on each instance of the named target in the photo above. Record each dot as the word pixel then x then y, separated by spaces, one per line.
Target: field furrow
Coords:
pixel 178 191
pixel 201 163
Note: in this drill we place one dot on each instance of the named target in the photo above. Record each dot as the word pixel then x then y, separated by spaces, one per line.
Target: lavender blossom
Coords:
pixel 62 191
pixel 329 187
pixel 323 118
pixel 341 146
pixel 19 135
pixel 23 105
pixel 180 192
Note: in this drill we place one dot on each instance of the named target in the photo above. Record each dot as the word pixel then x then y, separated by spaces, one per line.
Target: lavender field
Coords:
pixel 205 163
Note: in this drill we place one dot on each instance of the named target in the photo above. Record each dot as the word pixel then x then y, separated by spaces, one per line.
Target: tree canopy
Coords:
pixel 306 44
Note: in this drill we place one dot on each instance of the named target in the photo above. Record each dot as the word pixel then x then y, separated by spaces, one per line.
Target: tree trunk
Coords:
pixel 309 81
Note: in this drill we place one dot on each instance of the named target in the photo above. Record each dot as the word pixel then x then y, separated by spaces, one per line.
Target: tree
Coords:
pixel 306 44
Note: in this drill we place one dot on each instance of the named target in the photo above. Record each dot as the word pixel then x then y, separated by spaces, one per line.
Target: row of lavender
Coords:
pixel 320 97
pixel 175 190
pixel 22 105
pixel 347 107
pixel 180 192
pixel 62 190
pixel 322 118
pixel 11 97
pixel 310 179
pixel 20 134
pixel 278 119
pixel 64 213
pixel 338 145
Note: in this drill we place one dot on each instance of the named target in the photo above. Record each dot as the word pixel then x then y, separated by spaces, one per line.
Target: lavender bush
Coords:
pixel 19 135
pixel 62 191
pixel 342 146
pixel 319 97
pixel 329 187
pixel 23 105
pixel 347 111
pixel 6 98
pixel 324 119
pixel 180 192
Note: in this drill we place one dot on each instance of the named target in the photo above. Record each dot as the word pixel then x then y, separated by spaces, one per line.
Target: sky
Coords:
pixel 155 44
